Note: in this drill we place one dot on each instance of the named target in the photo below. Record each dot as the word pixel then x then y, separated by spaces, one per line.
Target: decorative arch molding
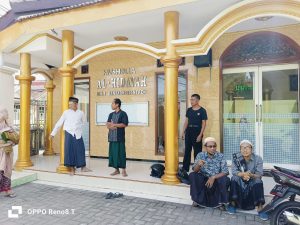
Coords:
pixel 46 73
pixel 228 18
pixel 260 48
pixel 115 46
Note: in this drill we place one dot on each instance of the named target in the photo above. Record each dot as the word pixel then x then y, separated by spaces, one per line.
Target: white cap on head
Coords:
pixel 246 142
pixel 209 139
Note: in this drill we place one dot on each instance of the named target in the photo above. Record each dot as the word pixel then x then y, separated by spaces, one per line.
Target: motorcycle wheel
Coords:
pixel 277 217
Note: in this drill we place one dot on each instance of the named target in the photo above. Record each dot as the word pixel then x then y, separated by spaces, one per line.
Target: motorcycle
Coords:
pixel 284 203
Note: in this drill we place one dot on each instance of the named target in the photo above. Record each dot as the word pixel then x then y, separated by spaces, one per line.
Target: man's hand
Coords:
pixel 50 137
pixel 111 126
pixel 201 162
pixel 210 182
pixel 182 135
pixel 199 138
pixel 246 176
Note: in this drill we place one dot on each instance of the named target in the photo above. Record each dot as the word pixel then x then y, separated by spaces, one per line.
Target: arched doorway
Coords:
pixel 260 96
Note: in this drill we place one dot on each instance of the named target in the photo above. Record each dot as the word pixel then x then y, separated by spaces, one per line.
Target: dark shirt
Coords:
pixel 117 135
pixel 195 118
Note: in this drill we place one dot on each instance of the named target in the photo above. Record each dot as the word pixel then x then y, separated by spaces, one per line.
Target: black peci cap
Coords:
pixel 73 99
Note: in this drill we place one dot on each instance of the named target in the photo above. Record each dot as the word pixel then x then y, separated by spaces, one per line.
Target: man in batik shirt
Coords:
pixel 209 179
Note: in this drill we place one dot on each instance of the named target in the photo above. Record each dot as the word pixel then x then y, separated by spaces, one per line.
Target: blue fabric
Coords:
pixel 209 197
pixel 74 151
pixel 246 195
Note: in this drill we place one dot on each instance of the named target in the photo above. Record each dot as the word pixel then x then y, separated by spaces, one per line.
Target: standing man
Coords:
pixel 73 120
pixel 193 130
pixel 116 123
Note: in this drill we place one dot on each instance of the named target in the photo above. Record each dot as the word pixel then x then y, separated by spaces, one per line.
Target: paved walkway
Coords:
pixel 43 204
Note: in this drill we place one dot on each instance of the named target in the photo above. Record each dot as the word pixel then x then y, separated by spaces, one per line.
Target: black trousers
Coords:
pixel 190 142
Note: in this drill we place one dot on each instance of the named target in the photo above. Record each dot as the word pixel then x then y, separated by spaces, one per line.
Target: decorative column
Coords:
pixel 67 79
pixel 25 80
pixel 49 86
pixel 171 63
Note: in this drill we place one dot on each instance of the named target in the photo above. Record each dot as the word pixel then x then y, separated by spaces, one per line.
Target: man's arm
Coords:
pixel 124 122
pixel 58 125
pixel 108 123
pixel 203 125
pixel 186 122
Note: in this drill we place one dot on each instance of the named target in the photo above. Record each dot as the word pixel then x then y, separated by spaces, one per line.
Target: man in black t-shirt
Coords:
pixel 193 130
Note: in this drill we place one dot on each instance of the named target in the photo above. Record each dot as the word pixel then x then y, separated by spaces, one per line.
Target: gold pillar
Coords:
pixel 25 80
pixel 67 76
pixel 49 120
pixel 171 63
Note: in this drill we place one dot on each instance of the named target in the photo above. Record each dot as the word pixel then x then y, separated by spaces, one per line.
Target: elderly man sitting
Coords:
pixel 208 181
pixel 246 188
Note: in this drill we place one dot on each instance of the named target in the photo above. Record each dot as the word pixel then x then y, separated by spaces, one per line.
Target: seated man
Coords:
pixel 208 181
pixel 246 186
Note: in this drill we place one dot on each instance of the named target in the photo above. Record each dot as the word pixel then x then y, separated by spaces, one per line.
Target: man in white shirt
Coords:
pixel 73 120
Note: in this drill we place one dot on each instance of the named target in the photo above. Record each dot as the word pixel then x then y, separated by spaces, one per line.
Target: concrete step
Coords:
pixel 151 190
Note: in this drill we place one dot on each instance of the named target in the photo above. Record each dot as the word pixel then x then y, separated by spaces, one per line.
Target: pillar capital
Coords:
pixel 23 78
pixel 67 71
pixel 171 62
pixel 49 86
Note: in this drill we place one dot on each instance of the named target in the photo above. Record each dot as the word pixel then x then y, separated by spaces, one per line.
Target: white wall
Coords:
pixel 7 90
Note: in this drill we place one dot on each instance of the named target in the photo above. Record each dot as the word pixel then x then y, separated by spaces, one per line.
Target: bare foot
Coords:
pixel 115 173
pixel 85 169
pixel 72 172
pixel 124 174
pixel 10 194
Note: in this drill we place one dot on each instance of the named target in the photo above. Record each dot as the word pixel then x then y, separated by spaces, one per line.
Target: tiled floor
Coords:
pixel 137 170
pixel 44 204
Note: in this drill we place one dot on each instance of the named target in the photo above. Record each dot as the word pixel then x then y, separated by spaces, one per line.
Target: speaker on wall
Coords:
pixel 203 60
pixel 85 69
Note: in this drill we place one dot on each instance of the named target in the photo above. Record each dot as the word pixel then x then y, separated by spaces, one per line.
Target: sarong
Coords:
pixel 246 195
pixel 117 155
pixel 74 151
pixel 208 197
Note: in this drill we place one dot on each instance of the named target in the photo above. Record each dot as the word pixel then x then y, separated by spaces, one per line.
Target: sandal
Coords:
pixel 109 195
pixel 195 204
pixel 11 195
pixel 117 195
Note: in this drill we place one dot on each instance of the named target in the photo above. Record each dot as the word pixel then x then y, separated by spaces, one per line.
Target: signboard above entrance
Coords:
pixel 137 113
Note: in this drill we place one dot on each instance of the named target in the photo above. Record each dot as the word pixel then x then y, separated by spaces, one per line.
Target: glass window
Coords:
pixel 182 106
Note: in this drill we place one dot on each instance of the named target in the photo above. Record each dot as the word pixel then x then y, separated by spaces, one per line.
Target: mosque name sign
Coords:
pixel 118 78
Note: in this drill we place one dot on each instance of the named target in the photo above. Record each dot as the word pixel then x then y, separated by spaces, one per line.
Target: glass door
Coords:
pixel 279 115
pixel 240 107
pixel 261 104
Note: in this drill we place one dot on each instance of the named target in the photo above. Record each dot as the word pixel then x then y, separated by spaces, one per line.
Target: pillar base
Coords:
pixel 48 152
pixel 20 165
pixel 170 179
pixel 63 169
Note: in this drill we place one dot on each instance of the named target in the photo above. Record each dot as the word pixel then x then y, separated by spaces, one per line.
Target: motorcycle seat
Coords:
pixel 288 171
